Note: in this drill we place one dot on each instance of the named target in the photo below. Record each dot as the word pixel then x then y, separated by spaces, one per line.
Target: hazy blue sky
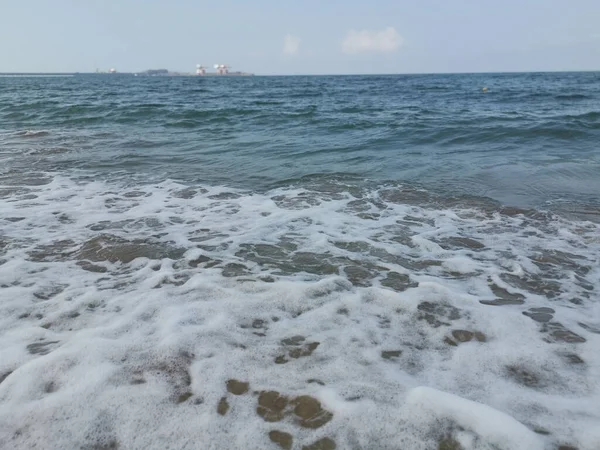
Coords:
pixel 300 36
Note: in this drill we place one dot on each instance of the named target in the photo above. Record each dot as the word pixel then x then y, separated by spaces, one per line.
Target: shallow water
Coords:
pixel 358 262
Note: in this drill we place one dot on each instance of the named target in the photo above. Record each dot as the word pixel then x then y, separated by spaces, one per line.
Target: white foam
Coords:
pixel 461 264
pixel 189 322
pixel 495 427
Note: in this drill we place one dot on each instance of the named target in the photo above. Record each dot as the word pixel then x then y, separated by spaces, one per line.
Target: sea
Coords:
pixel 319 262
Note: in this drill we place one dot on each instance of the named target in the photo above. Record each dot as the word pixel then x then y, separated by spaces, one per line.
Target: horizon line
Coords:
pixel 189 74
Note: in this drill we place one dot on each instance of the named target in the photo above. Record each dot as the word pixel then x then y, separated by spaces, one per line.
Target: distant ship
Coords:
pixel 221 70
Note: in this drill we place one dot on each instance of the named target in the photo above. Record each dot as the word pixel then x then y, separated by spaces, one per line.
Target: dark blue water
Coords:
pixel 531 140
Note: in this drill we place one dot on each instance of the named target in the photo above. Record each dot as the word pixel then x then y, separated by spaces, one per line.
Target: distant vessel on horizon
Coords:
pixel 220 70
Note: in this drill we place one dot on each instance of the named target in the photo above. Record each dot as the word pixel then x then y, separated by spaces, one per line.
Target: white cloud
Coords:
pixel 291 45
pixel 383 41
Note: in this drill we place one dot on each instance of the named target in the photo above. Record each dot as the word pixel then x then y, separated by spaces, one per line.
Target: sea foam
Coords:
pixel 164 315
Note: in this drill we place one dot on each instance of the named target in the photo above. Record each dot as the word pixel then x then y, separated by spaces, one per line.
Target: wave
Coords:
pixel 592 116
pixel 573 97
pixel 32 133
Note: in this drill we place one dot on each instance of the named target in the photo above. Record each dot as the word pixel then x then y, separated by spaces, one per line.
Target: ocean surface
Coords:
pixel 360 262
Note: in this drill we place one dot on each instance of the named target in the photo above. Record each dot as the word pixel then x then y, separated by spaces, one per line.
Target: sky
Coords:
pixel 300 36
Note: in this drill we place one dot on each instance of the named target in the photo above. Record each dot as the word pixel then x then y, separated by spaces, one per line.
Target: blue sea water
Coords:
pixel 351 262
pixel 531 140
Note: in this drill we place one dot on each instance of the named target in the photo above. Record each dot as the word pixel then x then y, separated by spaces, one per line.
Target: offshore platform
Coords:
pixel 221 70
